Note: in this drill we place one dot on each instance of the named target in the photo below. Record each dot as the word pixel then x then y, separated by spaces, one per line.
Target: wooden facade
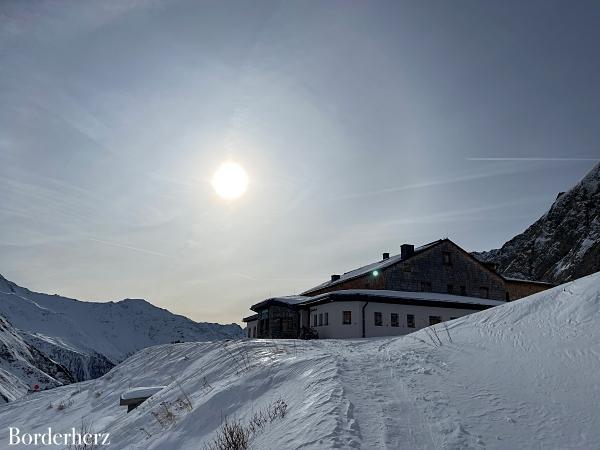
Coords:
pixel 517 289
pixel 441 267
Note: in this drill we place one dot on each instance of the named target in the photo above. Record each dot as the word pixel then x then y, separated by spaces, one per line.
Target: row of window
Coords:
pixel 323 319
pixel 484 292
pixel 394 320
pixel 446 261
pixel 410 320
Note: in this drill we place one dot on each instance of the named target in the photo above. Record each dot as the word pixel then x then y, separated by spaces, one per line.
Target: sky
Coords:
pixel 362 125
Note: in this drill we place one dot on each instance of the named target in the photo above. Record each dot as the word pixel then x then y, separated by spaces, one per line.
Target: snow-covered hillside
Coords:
pixel 89 338
pixel 563 245
pixel 521 375
pixel 22 366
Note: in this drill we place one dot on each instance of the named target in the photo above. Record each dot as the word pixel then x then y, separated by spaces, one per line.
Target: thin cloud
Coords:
pixel 374 232
pixel 531 158
pixel 430 183
pixel 243 275
pixel 466 214
pixel 129 247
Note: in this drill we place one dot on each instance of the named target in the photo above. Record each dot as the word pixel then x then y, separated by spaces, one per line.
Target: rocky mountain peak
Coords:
pixel 563 244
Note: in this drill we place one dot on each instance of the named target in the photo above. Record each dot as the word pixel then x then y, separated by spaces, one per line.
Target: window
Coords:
pixel 394 320
pixel 484 292
pixel 320 320
pixel 410 320
pixel 347 317
pixel 315 320
pixel 263 321
pixel 326 322
pixel 254 332
pixel 378 319
pixel 286 324
pixel 463 290
pixel 447 258
pixel 434 319
pixel 425 286
pixel 450 288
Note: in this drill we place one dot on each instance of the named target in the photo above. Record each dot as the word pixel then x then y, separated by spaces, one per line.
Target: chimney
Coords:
pixel 335 277
pixel 406 251
pixel 386 256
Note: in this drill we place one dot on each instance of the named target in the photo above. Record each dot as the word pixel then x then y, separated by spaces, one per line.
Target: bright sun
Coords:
pixel 230 181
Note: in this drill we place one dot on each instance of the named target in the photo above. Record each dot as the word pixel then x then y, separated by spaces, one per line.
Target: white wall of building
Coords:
pixel 251 328
pixel 336 329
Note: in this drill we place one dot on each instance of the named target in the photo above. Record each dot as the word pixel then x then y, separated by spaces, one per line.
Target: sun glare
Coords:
pixel 230 181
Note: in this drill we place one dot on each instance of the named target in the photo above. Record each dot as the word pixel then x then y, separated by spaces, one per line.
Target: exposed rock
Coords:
pixel 563 245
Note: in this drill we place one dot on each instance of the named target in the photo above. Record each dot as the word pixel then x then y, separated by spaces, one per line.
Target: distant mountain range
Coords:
pixel 51 340
pixel 563 244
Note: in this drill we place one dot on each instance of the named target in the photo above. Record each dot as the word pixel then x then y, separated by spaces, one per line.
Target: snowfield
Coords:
pixel 522 375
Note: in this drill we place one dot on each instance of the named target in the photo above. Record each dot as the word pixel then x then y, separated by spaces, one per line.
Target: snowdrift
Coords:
pixel 521 375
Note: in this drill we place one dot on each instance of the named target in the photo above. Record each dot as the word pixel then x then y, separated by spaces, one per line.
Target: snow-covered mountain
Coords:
pixel 88 339
pixel 520 375
pixel 22 366
pixel 563 245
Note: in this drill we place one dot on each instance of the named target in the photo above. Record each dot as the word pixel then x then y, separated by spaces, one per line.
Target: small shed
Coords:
pixel 134 397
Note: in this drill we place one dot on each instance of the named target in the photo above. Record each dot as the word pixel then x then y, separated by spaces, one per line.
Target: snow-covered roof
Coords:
pixel 250 318
pixel 379 265
pixel 374 294
pixel 141 392
pixel 407 295
pixel 286 300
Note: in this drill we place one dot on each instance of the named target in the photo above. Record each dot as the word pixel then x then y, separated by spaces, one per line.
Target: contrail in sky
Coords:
pixel 129 247
pixel 438 182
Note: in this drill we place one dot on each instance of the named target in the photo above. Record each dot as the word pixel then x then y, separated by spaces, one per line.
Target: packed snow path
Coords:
pixel 522 375
pixel 380 412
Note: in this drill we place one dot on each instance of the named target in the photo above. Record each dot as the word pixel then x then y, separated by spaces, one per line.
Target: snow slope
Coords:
pixel 89 338
pixel 562 245
pixel 113 329
pixel 23 366
pixel 521 375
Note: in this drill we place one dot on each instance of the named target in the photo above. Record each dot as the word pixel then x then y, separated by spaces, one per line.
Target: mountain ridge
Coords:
pixel 87 339
pixel 563 244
